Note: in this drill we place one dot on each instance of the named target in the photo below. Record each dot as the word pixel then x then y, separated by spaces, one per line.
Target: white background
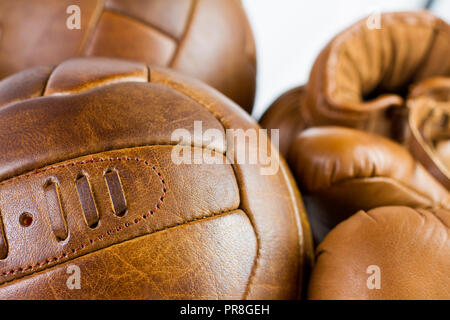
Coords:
pixel 290 34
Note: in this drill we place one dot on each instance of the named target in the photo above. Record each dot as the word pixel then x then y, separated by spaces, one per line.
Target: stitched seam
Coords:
pixel 186 33
pixel 257 256
pixel 301 232
pixel 426 56
pixel 185 223
pixel 45 84
pixel 108 233
pixel 360 179
pixel 433 212
pixel 250 217
pixel 87 41
pixel 161 144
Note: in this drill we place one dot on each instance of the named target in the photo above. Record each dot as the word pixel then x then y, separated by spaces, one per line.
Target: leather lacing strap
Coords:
pixel 87 199
pixel 88 204
pixel 429 122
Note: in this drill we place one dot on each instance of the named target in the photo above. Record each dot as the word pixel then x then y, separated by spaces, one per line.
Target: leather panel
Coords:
pixel 94 121
pixel 169 16
pixel 150 184
pixel 410 247
pixel 25 85
pixel 163 265
pixel 291 246
pixel 233 48
pixel 37 43
pixel 93 73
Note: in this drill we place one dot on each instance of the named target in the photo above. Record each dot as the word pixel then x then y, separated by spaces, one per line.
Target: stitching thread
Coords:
pixel 100 237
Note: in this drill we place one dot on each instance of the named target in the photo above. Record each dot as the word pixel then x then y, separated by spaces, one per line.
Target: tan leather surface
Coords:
pixel 410 247
pixel 362 77
pixel 437 88
pixel 181 34
pixel 28 84
pixel 253 202
pixel 443 152
pixel 146 44
pixel 90 162
pixel 307 252
pixel 285 114
pixel 137 168
pixel 362 73
pixel 92 73
pixel 392 82
pixel 140 268
pixel 429 126
pixel 34 32
pixel 342 170
pixel 110 117
pixel 232 54
pixel 169 16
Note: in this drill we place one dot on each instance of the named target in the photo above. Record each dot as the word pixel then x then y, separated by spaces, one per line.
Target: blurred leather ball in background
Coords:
pixel 209 40
pixel 87 179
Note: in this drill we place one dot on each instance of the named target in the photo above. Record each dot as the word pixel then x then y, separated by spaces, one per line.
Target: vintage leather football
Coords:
pixel 88 180
pixel 362 77
pixel 386 253
pixel 210 40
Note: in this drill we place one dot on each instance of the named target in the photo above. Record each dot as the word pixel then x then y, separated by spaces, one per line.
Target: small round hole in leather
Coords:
pixel 26 219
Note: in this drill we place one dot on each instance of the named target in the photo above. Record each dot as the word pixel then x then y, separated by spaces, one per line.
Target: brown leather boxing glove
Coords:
pixel 385 253
pixel 361 78
pixel 88 179
pixel 210 40
pixel 341 171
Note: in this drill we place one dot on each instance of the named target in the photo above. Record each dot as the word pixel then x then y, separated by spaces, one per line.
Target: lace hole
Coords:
pixel 26 219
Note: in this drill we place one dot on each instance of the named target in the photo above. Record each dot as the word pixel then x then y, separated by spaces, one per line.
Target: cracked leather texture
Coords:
pixel 180 34
pixel 286 115
pixel 364 85
pixel 188 231
pixel 362 77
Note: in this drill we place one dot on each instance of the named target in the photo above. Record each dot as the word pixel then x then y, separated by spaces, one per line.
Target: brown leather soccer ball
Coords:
pixel 87 181
pixel 207 39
